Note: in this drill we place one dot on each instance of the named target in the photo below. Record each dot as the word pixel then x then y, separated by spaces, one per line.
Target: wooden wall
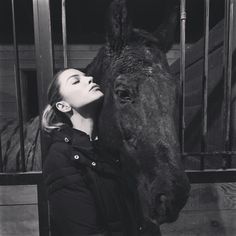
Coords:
pixel 211 210
pixel 18 211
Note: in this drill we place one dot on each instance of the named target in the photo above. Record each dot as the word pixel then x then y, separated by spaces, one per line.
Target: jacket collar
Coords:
pixel 75 137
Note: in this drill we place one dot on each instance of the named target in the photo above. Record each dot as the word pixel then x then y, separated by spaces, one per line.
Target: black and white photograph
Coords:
pixel 117 117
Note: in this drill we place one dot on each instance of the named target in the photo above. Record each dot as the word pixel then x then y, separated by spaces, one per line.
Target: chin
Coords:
pixel 98 98
pixel 99 95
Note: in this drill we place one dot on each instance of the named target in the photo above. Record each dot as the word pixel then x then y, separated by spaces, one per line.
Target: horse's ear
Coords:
pixel 95 68
pixel 119 26
pixel 166 31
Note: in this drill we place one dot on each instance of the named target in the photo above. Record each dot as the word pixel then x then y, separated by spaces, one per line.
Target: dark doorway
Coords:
pixel 29 94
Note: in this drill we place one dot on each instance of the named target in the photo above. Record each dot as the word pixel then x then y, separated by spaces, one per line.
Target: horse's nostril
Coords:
pixel 167 212
pixel 161 199
pixel 160 211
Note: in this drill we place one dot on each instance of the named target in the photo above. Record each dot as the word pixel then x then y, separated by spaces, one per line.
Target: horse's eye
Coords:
pixel 124 95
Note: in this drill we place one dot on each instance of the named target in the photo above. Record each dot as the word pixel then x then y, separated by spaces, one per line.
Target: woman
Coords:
pixel 86 193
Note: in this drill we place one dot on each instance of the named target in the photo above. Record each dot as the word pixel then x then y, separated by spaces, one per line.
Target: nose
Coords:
pixel 90 79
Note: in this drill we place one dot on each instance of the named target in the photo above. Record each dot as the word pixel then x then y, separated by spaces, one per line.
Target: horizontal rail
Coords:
pixel 185 154
pixel 195 176
pixel 21 178
pixel 211 176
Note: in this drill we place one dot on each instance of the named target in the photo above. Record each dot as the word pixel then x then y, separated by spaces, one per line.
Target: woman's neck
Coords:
pixel 83 123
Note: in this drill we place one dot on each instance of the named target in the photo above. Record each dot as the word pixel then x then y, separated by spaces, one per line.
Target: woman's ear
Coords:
pixel 63 106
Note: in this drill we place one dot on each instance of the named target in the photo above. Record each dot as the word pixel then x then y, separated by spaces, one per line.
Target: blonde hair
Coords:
pixel 52 118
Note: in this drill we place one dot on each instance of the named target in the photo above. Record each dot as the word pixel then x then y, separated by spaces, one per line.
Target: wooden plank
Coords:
pixel 6 67
pixel 6 97
pixel 7 92
pixel 212 197
pixel 202 223
pixel 77 63
pixel 30 55
pixel 6 117
pixel 18 194
pixel 90 47
pixel 19 220
pixel 210 210
pixel 6 71
pixel 8 107
pixel 202 196
pixel 75 52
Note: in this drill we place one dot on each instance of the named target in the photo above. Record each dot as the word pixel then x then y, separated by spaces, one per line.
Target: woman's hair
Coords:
pixel 52 118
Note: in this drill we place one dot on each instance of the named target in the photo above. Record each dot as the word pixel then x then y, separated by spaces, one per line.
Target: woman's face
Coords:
pixel 77 89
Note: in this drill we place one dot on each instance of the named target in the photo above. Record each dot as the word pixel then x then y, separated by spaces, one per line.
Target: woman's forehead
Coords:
pixel 68 73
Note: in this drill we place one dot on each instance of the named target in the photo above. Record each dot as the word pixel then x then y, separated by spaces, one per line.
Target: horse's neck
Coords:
pixel 108 154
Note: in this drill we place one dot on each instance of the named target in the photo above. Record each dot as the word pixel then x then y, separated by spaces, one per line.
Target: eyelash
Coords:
pixel 77 81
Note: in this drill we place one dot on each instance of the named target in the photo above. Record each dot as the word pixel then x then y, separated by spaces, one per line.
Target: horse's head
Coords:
pixel 138 118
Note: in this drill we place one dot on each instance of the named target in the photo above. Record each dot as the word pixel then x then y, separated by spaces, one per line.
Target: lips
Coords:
pixel 94 87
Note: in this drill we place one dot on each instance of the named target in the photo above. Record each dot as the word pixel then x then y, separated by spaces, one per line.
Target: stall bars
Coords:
pixel 226 174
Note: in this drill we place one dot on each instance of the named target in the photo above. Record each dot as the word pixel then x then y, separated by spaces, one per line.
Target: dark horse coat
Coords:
pixel 86 193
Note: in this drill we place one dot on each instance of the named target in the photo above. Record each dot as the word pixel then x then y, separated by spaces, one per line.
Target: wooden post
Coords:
pixel 45 71
pixel 43 48
pixel 64 32
pixel 44 52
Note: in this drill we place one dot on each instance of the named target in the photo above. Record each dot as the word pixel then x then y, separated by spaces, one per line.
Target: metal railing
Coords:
pixel 227 153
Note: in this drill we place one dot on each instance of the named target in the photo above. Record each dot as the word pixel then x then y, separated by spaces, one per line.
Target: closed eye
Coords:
pixel 76 81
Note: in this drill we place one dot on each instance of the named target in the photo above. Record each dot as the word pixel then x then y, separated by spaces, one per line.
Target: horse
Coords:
pixel 138 119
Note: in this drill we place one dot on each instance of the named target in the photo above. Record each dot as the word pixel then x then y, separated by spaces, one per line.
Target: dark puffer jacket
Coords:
pixel 86 194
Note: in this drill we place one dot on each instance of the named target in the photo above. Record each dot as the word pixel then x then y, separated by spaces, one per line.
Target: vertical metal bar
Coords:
pixel 233 97
pixel 64 32
pixel 1 161
pixel 18 89
pixel 228 78
pixel 182 73
pixel 205 81
pixel 225 50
